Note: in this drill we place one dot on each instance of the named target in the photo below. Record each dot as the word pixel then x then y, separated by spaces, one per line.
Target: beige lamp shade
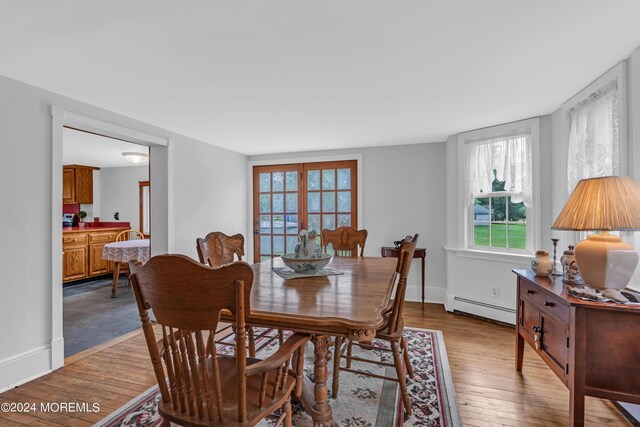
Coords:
pixel 606 203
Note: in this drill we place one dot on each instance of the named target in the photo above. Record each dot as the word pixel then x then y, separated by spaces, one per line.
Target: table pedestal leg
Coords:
pixel 116 274
pixel 315 395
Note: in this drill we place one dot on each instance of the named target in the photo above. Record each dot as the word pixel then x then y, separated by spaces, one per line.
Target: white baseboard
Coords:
pixel 24 367
pixel 433 294
pixel 57 353
pixel 480 308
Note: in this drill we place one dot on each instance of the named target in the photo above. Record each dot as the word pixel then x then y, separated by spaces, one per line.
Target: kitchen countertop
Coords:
pixel 89 227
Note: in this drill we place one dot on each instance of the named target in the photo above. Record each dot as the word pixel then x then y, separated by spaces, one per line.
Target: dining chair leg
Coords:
pixel 252 342
pixel 397 360
pixel 287 422
pixel 165 423
pixel 407 359
pixel 280 336
pixel 336 367
pixel 349 351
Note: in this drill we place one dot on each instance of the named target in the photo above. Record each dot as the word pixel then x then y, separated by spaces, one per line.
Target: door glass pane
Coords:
pixel 344 179
pixel 278 224
pixel 344 201
pixel 313 202
pixel 328 201
pixel 278 245
pixel 265 244
pixel 292 241
pixel 329 179
pixel 265 182
pixel 265 224
pixel 344 220
pixel 314 223
pixel 278 202
pixel 292 224
pixel 265 203
pixel 292 181
pixel 292 202
pixel 329 222
pixel 278 181
pixel 313 180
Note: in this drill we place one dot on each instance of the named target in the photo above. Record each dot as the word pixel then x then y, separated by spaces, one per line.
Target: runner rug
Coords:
pixel 362 400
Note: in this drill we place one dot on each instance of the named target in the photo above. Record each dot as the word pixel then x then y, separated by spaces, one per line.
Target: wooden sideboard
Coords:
pixel 592 347
pixel 82 252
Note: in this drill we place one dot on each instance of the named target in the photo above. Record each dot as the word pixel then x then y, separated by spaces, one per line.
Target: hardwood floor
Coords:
pixel 481 355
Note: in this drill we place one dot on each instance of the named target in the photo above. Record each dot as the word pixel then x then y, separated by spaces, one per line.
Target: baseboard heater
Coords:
pixel 486 305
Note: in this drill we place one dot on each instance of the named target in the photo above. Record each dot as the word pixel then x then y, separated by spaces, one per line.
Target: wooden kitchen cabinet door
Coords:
pixel 97 265
pixel 74 263
pixel 68 185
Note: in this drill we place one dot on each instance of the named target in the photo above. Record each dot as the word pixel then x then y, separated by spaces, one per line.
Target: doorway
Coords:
pixel 290 197
pixel 102 204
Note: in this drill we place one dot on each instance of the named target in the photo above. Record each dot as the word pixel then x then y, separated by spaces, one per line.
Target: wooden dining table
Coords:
pixel 348 305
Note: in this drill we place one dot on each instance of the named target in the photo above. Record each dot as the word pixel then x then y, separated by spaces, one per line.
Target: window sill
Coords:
pixel 521 258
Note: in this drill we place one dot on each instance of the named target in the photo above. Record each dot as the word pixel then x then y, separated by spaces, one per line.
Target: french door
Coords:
pixel 289 198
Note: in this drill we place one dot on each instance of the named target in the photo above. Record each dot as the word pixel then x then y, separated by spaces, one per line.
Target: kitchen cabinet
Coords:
pixel 77 184
pixel 74 263
pixel 82 253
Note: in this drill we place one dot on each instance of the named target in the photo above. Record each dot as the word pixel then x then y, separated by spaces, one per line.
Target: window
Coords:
pixel 499 190
pixel 594 133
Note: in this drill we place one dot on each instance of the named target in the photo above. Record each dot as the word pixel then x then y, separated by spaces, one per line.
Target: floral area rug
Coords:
pixel 362 400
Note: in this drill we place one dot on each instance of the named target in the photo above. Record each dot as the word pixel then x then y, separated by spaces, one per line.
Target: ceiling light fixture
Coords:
pixel 136 158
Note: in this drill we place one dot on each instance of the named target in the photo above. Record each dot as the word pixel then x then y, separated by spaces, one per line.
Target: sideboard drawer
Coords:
pixel 546 301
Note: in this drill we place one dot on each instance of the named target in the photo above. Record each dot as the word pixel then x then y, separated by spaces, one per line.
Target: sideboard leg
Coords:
pixel 519 350
pixel 577 372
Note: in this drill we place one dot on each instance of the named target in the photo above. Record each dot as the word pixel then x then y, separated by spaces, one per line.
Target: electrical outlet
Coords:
pixel 495 291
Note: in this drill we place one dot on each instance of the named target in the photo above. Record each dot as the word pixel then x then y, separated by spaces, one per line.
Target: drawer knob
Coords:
pixel 548 304
pixel 530 291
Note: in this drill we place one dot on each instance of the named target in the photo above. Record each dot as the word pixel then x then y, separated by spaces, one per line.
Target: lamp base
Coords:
pixel 605 261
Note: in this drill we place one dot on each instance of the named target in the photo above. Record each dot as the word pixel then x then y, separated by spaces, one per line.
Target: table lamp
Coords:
pixel 603 204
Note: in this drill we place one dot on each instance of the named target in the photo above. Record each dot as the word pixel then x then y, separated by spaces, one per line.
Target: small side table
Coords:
pixel 388 251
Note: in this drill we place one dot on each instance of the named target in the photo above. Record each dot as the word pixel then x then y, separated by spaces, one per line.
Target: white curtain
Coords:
pixel 594 141
pixel 510 156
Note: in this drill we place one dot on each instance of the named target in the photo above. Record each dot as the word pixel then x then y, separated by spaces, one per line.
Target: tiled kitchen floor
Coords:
pixel 92 317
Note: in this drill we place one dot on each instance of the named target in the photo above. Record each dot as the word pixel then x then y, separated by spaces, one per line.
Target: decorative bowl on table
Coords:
pixel 306 265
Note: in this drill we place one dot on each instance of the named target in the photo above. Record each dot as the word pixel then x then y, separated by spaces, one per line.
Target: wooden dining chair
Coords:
pixel 204 388
pixel 123 266
pixel 392 331
pixel 344 240
pixel 129 235
pixel 217 249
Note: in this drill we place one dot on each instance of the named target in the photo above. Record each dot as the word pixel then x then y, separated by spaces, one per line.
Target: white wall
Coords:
pixel 403 193
pixel 119 192
pixel 26 332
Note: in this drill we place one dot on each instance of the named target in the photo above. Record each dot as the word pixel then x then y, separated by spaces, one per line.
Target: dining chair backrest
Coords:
pixel 129 235
pixel 216 248
pixel 188 308
pixel 344 240
pixel 407 248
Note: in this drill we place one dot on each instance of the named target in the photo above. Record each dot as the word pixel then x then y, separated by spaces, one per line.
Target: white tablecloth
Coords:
pixel 127 250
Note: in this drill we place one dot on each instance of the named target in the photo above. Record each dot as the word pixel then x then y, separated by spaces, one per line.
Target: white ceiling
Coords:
pixel 269 76
pixel 82 148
